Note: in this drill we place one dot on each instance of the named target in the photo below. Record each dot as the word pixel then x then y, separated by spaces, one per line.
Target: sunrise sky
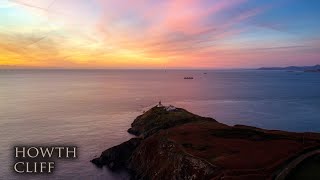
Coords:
pixel 159 33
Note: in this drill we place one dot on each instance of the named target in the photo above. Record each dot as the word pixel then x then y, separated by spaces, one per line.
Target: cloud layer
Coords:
pixel 157 34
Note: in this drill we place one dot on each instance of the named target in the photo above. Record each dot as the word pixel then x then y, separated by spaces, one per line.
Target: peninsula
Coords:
pixel 315 68
pixel 173 143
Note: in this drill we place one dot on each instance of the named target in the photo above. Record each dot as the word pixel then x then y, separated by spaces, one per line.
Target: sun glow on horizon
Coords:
pixel 157 34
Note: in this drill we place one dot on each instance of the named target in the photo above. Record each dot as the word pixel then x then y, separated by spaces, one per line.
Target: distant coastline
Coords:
pixel 315 68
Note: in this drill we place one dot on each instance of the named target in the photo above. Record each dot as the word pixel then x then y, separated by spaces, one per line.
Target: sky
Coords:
pixel 159 33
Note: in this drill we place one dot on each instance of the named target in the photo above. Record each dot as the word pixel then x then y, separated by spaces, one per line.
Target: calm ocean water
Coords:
pixel 93 108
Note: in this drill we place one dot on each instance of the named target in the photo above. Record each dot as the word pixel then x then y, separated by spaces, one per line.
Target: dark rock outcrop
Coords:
pixel 160 158
pixel 180 145
pixel 117 157
pixel 158 118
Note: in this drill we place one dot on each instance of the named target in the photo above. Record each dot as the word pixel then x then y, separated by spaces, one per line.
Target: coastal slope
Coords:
pixel 176 144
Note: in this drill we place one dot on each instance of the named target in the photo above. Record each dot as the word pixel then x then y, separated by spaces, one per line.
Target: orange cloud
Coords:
pixel 143 33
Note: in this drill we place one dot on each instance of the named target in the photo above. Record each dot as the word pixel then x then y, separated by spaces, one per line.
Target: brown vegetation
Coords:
pixel 181 145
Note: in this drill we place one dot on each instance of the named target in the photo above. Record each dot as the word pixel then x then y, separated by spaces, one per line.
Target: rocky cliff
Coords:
pixel 177 144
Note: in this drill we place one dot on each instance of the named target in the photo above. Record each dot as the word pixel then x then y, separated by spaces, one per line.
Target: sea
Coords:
pixel 92 109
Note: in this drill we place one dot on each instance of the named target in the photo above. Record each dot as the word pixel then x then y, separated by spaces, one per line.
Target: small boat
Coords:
pixel 188 77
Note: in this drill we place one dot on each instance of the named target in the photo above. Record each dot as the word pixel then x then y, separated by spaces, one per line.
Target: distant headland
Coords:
pixel 173 143
pixel 315 68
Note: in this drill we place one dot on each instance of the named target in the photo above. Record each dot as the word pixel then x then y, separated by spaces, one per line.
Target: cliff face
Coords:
pixel 161 158
pixel 180 145
pixel 117 157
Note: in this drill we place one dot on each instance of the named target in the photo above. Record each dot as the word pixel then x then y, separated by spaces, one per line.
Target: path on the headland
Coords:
pixel 290 166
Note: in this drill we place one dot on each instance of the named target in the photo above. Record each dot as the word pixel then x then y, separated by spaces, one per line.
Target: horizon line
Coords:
pixel 146 68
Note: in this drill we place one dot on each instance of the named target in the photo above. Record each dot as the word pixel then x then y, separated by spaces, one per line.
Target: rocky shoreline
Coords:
pixel 176 144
